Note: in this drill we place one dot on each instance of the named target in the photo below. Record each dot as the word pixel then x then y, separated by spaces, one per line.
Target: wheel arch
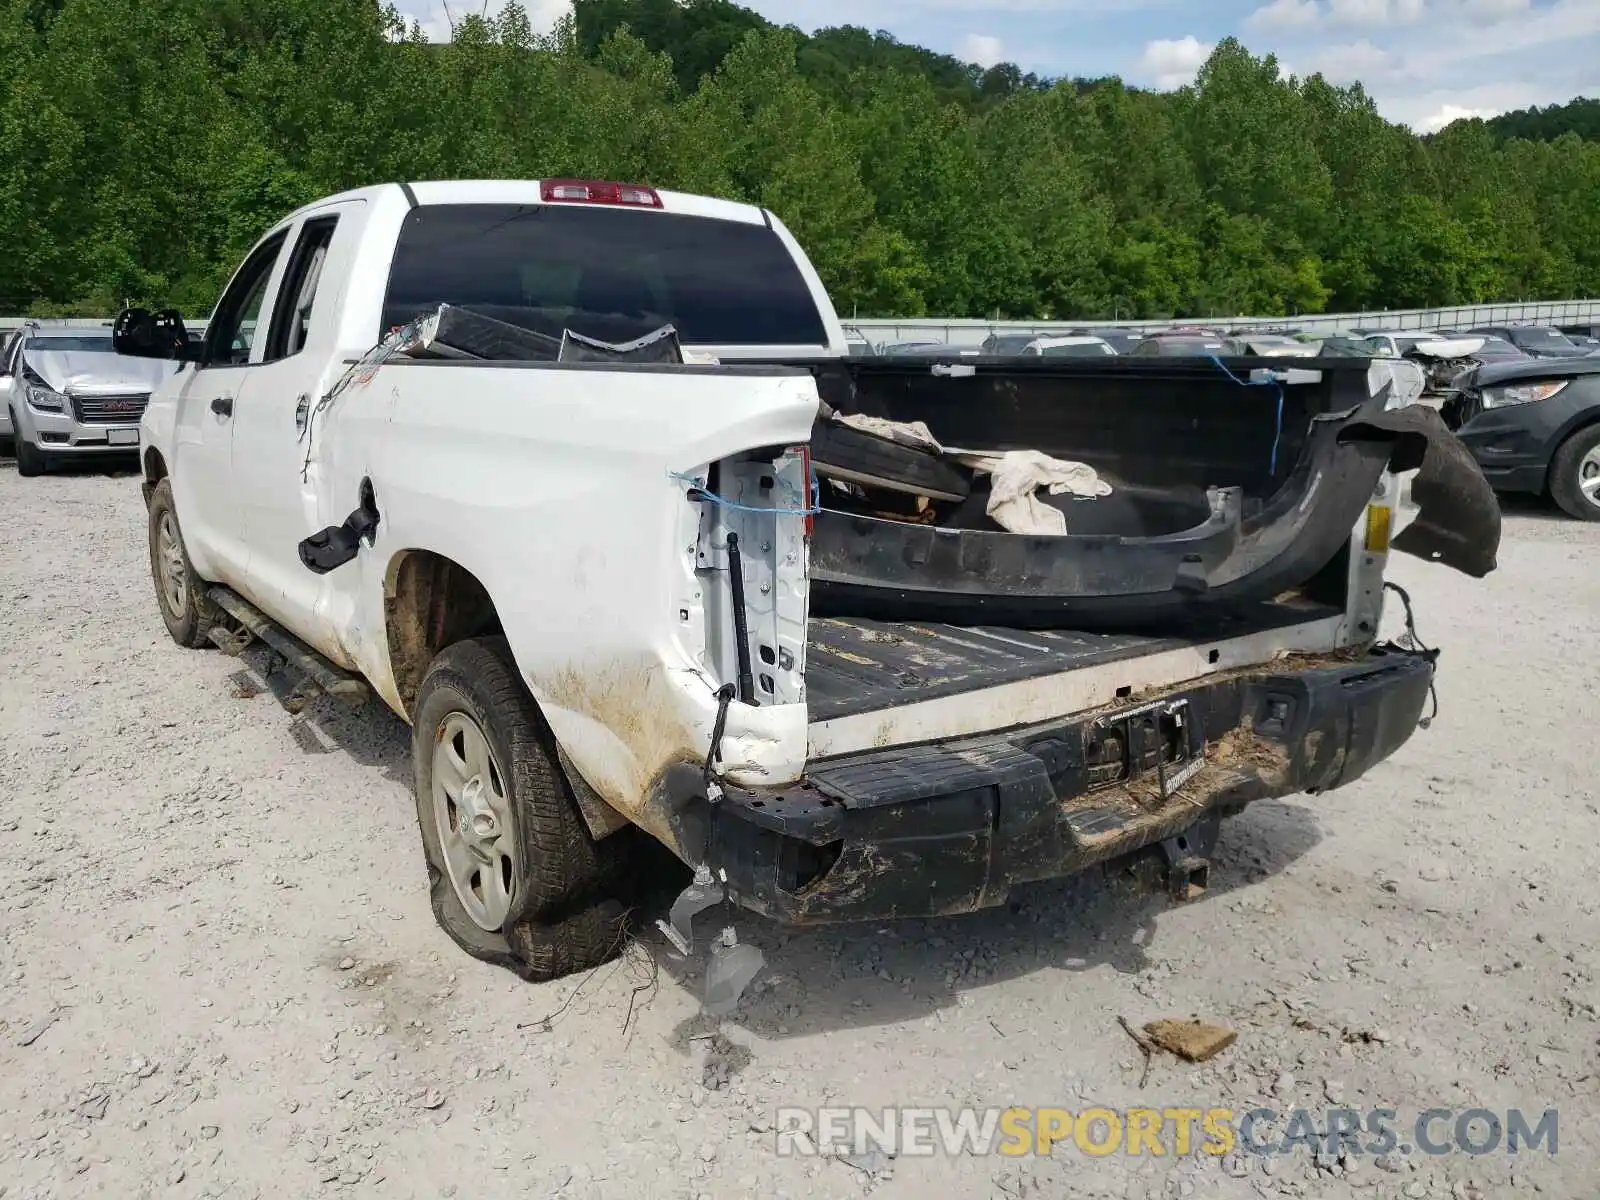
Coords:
pixel 155 470
pixel 430 603
pixel 1586 419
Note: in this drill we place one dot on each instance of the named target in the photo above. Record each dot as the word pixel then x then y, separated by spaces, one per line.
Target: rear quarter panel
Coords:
pixel 554 486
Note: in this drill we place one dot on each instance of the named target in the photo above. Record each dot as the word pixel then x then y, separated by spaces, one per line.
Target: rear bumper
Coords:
pixel 954 827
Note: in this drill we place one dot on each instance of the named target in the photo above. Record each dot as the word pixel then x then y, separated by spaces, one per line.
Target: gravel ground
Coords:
pixel 218 913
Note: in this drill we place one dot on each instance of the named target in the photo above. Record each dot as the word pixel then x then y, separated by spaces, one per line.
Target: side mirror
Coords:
pixel 140 333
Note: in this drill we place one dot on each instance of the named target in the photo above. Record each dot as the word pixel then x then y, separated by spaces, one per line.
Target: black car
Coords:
pixel 1585 337
pixel 1534 426
pixel 1538 340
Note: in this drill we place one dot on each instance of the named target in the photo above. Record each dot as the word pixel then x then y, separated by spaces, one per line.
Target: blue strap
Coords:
pixel 1270 381
pixel 723 502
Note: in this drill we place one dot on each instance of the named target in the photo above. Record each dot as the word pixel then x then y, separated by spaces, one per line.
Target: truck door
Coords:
pixel 272 471
pixel 202 473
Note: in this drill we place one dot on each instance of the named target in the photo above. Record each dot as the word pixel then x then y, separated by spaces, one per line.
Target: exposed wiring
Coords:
pixel 1271 381
pixel 1416 645
pixel 698 491
pixel 1413 641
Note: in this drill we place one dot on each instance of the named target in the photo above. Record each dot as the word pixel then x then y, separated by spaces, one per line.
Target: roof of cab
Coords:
pixel 527 191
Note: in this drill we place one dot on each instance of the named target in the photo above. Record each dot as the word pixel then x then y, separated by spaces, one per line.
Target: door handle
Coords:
pixel 223 406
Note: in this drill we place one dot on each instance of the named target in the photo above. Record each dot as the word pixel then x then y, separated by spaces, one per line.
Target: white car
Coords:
pixel 1069 346
pixel 602 582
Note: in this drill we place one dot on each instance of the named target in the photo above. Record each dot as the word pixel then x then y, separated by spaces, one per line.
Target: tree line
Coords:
pixel 145 144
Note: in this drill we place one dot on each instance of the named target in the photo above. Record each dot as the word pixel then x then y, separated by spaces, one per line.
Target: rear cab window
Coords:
pixel 610 274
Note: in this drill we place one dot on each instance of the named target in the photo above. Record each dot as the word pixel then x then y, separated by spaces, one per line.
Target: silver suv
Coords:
pixel 68 395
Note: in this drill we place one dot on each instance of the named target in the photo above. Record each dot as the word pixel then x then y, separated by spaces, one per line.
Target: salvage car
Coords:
pixel 579 479
pixel 71 396
pixel 1534 427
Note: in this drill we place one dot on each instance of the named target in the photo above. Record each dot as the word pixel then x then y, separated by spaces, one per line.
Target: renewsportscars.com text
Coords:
pixel 1160 1132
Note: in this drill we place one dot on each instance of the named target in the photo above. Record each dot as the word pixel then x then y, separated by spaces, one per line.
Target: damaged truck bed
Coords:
pixel 1224 486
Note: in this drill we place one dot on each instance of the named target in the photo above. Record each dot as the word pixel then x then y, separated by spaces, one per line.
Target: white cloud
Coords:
pixel 1172 62
pixel 1452 112
pixel 1355 61
pixel 1490 11
pixel 1427 62
pixel 1367 13
pixel 984 50
pixel 1284 14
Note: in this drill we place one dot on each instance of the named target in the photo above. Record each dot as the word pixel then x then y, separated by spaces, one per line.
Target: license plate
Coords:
pixel 1152 739
pixel 122 437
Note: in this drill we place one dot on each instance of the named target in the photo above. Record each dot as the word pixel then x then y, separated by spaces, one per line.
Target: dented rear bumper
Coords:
pixel 954 827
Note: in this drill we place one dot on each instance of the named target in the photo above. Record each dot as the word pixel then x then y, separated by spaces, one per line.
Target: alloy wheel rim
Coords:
pixel 169 565
pixel 473 816
pixel 1589 476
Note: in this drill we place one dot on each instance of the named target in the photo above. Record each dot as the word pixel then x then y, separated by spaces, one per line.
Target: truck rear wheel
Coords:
pixel 514 877
pixel 1575 474
pixel 181 594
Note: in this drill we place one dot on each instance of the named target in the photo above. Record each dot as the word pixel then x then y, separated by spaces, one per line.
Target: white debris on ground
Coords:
pixel 219 975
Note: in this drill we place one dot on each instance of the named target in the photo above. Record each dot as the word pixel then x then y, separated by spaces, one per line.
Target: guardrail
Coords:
pixel 7 324
pixel 958 332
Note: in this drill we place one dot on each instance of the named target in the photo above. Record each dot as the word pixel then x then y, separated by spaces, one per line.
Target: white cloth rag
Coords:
pixel 1015 475
pixel 1015 478
pixel 906 433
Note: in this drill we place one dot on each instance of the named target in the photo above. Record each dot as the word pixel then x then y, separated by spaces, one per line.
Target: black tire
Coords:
pixel 567 908
pixel 1566 474
pixel 845 453
pixel 190 621
pixel 30 462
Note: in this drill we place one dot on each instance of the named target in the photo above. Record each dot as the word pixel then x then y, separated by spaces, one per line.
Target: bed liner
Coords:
pixel 856 666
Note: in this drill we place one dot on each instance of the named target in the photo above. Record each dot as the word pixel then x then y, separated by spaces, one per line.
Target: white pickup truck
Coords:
pixel 614 600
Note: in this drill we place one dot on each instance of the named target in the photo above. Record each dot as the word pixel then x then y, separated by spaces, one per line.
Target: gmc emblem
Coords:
pixel 118 405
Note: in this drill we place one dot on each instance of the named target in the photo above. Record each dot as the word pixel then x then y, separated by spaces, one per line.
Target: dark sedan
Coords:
pixel 1538 340
pixel 1535 427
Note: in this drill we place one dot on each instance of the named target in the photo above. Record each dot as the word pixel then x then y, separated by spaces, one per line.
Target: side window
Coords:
pixel 235 324
pixel 291 317
pixel 6 365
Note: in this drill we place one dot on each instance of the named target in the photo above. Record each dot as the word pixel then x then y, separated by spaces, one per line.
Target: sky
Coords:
pixel 1425 62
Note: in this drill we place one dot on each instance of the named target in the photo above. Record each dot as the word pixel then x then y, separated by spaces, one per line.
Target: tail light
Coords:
pixel 598 191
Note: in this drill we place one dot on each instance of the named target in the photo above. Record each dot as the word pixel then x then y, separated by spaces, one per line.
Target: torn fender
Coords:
pixel 1458 522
